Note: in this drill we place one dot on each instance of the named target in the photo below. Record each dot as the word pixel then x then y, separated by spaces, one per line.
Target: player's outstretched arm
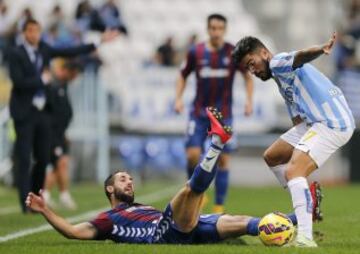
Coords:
pixel 307 55
pixel 249 86
pixel 82 231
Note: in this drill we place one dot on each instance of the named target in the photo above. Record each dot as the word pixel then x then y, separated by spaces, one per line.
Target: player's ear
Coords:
pixel 264 53
pixel 110 189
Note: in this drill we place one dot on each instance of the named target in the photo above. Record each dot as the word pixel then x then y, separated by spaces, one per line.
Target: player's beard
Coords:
pixel 267 71
pixel 123 197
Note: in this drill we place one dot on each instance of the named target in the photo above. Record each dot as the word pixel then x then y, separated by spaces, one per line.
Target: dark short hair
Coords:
pixel 72 65
pixel 216 16
pixel 109 181
pixel 245 46
pixel 29 22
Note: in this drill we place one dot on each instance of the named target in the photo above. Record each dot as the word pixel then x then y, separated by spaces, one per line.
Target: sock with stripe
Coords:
pixel 205 172
pixel 302 203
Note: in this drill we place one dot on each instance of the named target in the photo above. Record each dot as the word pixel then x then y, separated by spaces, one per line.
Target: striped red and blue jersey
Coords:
pixel 128 223
pixel 215 73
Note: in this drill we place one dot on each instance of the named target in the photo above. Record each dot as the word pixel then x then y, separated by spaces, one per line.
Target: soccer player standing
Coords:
pixel 322 121
pixel 215 71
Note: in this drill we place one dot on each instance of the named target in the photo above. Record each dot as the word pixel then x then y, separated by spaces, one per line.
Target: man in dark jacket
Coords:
pixel 28 66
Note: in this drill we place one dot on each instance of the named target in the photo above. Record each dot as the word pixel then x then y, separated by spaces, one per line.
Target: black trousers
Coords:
pixel 354 156
pixel 32 141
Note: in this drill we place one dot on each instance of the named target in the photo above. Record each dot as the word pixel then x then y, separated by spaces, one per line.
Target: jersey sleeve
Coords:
pixel 282 64
pixel 189 64
pixel 103 225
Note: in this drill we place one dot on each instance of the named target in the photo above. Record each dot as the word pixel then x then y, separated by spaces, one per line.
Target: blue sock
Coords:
pixel 205 172
pixel 221 186
pixel 293 218
pixel 252 227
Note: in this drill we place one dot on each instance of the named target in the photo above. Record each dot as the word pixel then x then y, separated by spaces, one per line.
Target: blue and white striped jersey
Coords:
pixel 310 95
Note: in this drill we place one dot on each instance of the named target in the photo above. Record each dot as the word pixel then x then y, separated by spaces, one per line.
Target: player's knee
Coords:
pixel 291 171
pixel 271 158
pixel 187 224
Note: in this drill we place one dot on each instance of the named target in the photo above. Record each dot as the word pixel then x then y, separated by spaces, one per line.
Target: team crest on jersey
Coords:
pixel 286 90
pixel 288 93
pixel 226 60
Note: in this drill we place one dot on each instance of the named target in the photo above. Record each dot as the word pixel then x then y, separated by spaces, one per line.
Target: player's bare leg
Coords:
pixel 230 226
pixel 65 197
pixel 186 204
pixel 276 157
pixel 50 181
pixel 300 166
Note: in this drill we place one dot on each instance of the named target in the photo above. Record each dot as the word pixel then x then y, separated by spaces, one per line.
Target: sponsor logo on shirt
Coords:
pixel 213 73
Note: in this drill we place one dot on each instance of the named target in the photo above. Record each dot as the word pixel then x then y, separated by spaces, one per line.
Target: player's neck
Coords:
pixel 116 203
pixel 214 47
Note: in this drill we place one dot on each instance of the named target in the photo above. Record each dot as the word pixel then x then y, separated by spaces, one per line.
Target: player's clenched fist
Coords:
pixel 35 202
pixel 179 106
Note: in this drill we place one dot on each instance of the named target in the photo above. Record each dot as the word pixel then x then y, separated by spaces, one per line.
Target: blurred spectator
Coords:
pixel 59 34
pixel 193 39
pixel 56 16
pixel 5 25
pixel 61 114
pixel 166 54
pixel 191 42
pixel 347 58
pixel 111 16
pixel 26 15
pixel 87 18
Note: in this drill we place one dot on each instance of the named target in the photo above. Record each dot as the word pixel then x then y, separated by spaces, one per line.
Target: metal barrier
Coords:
pixel 90 123
pixel 5 143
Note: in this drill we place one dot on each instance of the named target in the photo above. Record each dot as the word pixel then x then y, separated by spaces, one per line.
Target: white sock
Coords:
pixel 279 172
pixel 216 140
pixel 302 203
pixel 46 195
pixel 212 154
pixel 64 194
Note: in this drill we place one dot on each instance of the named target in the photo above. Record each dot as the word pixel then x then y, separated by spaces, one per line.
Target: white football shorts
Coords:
pixel 318 140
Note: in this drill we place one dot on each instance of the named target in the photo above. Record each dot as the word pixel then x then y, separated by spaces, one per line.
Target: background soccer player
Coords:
pixel 211 61
pixel 323 121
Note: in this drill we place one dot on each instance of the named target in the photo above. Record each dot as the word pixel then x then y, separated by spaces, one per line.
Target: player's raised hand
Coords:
pixel 35 202
pixel 328 46
pixel 179 106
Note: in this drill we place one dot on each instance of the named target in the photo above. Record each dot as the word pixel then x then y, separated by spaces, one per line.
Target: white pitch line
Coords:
pixel 8 210
pixel 148 198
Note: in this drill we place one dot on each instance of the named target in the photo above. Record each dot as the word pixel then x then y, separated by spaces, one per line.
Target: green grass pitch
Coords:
pixel 340 229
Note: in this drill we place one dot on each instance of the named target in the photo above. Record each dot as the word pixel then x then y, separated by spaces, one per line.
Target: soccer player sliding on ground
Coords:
pixel 180 223
pixel 322 122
